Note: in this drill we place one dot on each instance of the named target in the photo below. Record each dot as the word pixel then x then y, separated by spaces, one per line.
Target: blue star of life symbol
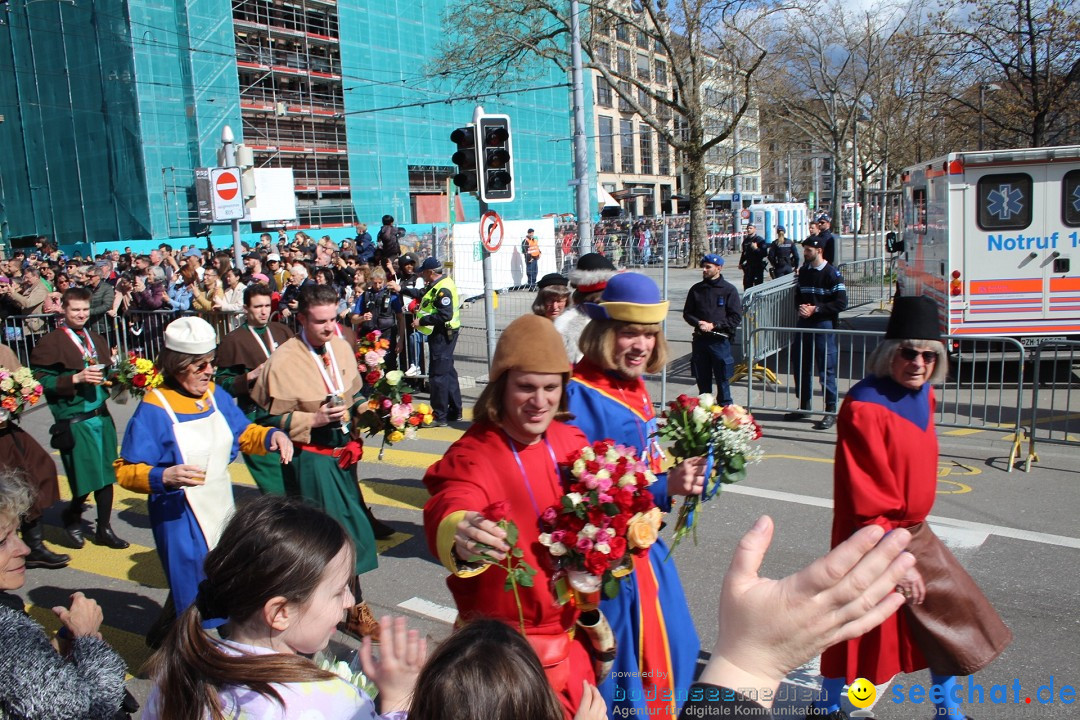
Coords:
pixel 1004 202
pixel 1076 202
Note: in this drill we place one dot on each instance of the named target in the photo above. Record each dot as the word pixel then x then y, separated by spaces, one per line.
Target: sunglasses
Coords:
pixel 203 366
pixel 909 354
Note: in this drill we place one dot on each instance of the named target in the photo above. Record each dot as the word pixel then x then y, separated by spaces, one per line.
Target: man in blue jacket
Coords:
pixel 714 309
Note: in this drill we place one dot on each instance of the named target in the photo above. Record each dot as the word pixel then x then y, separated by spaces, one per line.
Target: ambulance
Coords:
pixel 991 237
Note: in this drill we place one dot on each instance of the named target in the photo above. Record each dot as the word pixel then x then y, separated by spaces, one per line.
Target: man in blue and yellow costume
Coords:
pixel 657 644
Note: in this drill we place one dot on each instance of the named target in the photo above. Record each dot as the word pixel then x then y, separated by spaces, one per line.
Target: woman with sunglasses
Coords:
pixel 886 474
pixel 177 448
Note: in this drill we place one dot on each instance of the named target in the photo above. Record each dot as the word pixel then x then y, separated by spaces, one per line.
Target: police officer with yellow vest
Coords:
pixel 439 317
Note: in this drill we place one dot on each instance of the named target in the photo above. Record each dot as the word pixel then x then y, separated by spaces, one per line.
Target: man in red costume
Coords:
pixel 511 453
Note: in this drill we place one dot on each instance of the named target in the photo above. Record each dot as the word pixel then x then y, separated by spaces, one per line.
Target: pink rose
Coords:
pixel 549 515
pixel 584 544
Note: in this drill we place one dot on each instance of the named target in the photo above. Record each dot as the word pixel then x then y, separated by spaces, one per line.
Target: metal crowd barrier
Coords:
pixel 771 304
pixel 1054 412
pixel 984 388
pixel 868 281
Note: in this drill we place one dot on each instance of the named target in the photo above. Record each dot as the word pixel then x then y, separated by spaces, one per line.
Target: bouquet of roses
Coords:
pixel 134 375
pixel 19 390
pixel 607 514
pixel 390 411
pixel 371 352
pixel 725 436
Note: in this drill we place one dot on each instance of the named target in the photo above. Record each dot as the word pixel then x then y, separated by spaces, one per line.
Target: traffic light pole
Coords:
pixel 230 161
pixel 581 152
pixel 489 294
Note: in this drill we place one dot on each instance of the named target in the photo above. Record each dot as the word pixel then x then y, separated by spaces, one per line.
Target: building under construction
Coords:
pixel 108 107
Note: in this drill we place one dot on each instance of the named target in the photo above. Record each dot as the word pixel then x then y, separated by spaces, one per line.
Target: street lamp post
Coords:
pixel 983 87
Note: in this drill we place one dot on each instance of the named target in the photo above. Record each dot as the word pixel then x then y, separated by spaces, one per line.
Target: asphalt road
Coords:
pixel 1016 533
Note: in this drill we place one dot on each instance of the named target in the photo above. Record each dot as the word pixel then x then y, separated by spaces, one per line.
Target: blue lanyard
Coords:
pixel 521 467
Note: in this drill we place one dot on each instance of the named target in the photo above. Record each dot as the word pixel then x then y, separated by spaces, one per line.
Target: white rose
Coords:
pixel 589 530
pixel 557 549
pixel 394 377
pixel 627 480
pixel 707 399
pixel 602 473
pixel 611 455
pixel 545 539
pixel 588 454
pixel 579 467
pixel 602 547
pixel 700 415
pixel 575 498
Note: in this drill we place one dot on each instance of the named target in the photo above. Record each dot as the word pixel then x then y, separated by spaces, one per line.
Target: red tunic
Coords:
pixel 886 473
pixel 480 469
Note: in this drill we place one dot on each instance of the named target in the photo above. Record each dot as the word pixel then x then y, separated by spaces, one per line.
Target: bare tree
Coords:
pixel 1018 65
pixel 710 48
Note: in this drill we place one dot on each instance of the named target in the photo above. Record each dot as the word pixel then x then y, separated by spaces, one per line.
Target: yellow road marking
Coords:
pixel 961 487
pixel 797 457
pixel 137 563
pixel 130 646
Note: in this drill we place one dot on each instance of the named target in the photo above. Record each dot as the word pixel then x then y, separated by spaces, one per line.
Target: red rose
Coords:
pixel 139 381
pixel 596 516
pixel 496 511
pixel 372 377
pixel 619 523
pixel 643 503
pixel 618 546
pixel 592 467
pixel 406 398
pixel 596 563
pixel 569 539
pixel 573 522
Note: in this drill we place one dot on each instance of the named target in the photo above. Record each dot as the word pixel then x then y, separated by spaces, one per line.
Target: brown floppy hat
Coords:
pixel 531 344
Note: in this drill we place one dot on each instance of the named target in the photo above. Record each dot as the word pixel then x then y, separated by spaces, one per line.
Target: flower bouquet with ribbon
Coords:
pixel 371 352
pixel 697 427
pixel 19 390
pixel 391 412
pixel 607 514
pixel 518 571
pixel 134 375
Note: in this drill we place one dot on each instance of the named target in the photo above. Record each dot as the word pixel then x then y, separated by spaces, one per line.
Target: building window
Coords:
pixel 643 67
pixel 626 135
pixel 603 53
pixel 664 154
pixel 644 100
pixel 661 72
pixel 642 40
pixel 607 145
pixel 646 152
pixel 624 105
pixel 622 32
pixel 623 57
pixel 603 92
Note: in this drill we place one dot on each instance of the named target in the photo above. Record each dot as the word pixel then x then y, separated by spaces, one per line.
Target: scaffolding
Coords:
pixel 292 104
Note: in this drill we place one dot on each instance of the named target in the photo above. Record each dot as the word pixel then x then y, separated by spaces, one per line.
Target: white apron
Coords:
pixel 206 442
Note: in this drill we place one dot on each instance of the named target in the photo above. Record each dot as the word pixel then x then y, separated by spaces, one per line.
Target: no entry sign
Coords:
pixel 227 202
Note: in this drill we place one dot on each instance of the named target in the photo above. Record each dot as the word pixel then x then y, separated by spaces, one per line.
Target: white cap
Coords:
pixel 273 257
pixel 191 335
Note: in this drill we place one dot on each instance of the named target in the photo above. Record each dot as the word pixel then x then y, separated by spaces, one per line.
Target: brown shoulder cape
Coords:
pixel 290 381
pixel 240 348
pixel 57 349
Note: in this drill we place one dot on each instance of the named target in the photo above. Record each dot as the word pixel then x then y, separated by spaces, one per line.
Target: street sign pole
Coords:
pixel 227 141
pixel 489 290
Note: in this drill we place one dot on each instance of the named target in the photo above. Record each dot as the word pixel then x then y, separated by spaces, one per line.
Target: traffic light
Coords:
pixel 465 158
pixel 496 159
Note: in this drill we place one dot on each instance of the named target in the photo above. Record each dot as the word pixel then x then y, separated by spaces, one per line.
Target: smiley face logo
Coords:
pixel 862 693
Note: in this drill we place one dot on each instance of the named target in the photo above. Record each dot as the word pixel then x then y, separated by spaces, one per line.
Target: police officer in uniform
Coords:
pixel 752 260
pixel 379 308
pixel 439 317
pixel 714 309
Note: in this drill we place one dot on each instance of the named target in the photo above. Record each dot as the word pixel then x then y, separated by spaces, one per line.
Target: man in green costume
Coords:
pixel 309 388
pixel 241 358
pixel 71 363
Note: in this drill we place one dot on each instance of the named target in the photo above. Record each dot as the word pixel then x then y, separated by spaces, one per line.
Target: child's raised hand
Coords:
pixel 401 655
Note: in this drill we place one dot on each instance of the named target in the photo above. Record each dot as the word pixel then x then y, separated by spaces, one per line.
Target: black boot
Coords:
pixel 72 519
pixel 105 536
pixel 379 529
pixel 41 556
pixel 827 421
